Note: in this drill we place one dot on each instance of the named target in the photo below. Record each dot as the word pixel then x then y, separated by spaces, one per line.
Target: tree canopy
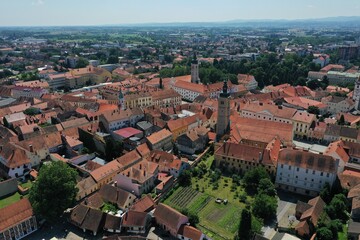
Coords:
pixel 245 228
pixel 253 177
pixel 54 190
pixel 314 110
pixel 265 206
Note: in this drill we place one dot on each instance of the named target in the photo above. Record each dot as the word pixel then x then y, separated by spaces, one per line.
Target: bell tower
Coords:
pixel 121 100
pixel 195 70
pixel 356 94
pixel 223 118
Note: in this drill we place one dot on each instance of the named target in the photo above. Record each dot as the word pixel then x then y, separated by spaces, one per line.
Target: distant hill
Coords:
pixel 341 21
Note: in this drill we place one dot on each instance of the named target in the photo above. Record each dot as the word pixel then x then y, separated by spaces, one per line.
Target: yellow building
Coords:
pixel 87 76
pixel 138 100
pixel 302 122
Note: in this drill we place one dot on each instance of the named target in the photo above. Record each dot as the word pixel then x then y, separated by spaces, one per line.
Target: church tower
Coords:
pixel 223 118
pixel 121 100
pixel 195 70
pixel 356 94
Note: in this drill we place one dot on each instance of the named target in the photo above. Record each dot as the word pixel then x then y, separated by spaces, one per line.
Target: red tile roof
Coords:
pixel 159 136
pixel 190 232
pixel 145 204
pixel 168 215
pixel 15 213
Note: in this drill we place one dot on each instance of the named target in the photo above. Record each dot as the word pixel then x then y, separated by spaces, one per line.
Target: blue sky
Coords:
pixel 98 12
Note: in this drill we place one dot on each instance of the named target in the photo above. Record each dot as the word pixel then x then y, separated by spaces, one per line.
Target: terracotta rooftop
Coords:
pixel 190 232
pixel 110 168
pixel 15 213
pixel 277 111
pixel 168 215
pixel 133 218
pixel 307 160
pixel 145 204
pixel 159 136
pixel 304 117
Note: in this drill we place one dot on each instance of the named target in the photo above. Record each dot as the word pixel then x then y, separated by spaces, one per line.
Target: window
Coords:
pixel 307 171
pixel 313 171
pixel 327 175
pixel 297 169
pixel 289 167
pixel 321 174
pixel 282 166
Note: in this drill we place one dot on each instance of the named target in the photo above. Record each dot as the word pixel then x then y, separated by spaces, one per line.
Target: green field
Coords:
pixel 343 235
pixel 16 196
pixel 217 220
pixel 10 200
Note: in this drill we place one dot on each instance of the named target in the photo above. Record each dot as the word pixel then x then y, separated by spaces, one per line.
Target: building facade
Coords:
pixel 304 172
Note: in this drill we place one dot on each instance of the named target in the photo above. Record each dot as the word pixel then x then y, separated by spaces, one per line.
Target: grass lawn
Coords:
pixel 218 221
pixel 27 184
pixel 343 235
pixel 11 199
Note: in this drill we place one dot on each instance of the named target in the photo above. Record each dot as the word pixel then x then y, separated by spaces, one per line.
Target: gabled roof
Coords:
pixel 168 215
pixel 159 136
pixel 144 204
pixel 110 168
pixel 313 213
pixel 337 148
pixel 354 192
pixel 133 219
pixel 112 222
pixel 14 155
pixel 190 232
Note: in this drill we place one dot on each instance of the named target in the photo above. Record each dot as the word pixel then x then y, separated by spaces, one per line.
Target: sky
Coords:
pixel 100 12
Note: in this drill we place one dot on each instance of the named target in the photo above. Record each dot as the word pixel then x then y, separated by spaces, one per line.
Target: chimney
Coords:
pixel 1 147
pixel 31 148
pixel 144 173
pixel 140 166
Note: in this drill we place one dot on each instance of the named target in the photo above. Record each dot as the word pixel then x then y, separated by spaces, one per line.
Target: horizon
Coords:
pixel 46 13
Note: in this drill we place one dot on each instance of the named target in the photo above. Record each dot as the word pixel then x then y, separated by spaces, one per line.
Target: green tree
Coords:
pixel 32 111
pixel 313 84
pixel 325 193
pixel 266 187
pixel 314 110
pixel 81 63
pixel 185 178
pixel 245 229
pixel 54 190
pixel 193 217
pixel 337 209
pixel 324 234
pixel 265 206
pixel 112 60
pixel 252 177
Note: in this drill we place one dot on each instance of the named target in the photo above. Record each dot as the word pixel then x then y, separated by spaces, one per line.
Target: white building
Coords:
pixel 336 104
pixel 304 172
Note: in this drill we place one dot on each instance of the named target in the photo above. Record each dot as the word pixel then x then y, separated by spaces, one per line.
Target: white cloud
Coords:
pixel 310 6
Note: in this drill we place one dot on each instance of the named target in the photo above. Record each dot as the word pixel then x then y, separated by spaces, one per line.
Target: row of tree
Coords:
pixel 257 181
